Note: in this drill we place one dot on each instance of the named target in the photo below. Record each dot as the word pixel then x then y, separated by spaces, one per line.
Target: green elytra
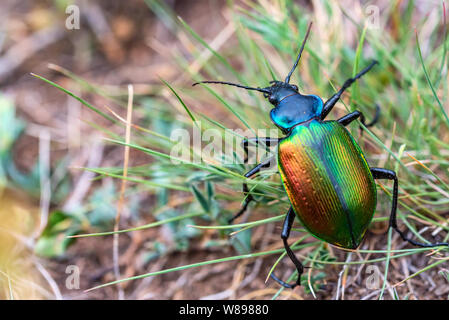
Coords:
pixel 335 197
pixel 327 179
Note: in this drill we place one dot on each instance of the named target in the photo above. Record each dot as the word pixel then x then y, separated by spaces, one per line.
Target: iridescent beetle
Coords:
pixel 328 181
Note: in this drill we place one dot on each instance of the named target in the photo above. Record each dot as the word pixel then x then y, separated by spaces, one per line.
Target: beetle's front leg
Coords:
pixel 267 141
pixel 288 222
pixel 379 173
pixel 329 104
pixel 347 119
pixel 249 197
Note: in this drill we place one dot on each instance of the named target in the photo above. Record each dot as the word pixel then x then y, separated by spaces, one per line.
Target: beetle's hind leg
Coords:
pixel 249 197
pixel 288 222
pixel 379 173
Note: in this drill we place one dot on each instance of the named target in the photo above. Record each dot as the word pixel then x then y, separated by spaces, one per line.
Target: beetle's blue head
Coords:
pixel 290 107
pixel 279 90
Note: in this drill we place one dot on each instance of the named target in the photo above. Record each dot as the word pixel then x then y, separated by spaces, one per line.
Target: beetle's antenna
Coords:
pixel 287 80
pixel 235 85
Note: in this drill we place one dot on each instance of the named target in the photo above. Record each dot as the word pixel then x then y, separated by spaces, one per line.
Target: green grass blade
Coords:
pixel 181 101
pixel 87 104
pixel 430 82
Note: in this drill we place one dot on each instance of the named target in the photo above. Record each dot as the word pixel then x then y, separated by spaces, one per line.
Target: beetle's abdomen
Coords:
pixel 328 182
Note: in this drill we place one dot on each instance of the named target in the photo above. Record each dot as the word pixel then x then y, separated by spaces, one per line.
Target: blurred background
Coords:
pixel 95 49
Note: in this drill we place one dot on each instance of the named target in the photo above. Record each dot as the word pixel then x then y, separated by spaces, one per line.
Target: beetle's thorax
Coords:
pixel 292 108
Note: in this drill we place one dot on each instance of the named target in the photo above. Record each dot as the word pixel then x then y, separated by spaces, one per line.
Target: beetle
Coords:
pixel 330 186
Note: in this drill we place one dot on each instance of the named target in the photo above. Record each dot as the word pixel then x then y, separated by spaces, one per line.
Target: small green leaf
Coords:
pixel 242 241
pixel 201 199
pixel 54 242
pixel 103 204
pixel 210 191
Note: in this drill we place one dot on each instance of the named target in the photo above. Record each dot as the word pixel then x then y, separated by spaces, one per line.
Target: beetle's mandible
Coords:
pixel 327 179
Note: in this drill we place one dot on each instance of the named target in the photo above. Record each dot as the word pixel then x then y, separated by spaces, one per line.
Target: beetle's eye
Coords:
pixel 295 87
pixel 272 99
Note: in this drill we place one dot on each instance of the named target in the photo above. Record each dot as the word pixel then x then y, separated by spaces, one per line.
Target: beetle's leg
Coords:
pixel 379 173
pixel 347 119
pixel 245 143
pixel 268 142
pixel 329 104
pixel 288 222
pixel 249 197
